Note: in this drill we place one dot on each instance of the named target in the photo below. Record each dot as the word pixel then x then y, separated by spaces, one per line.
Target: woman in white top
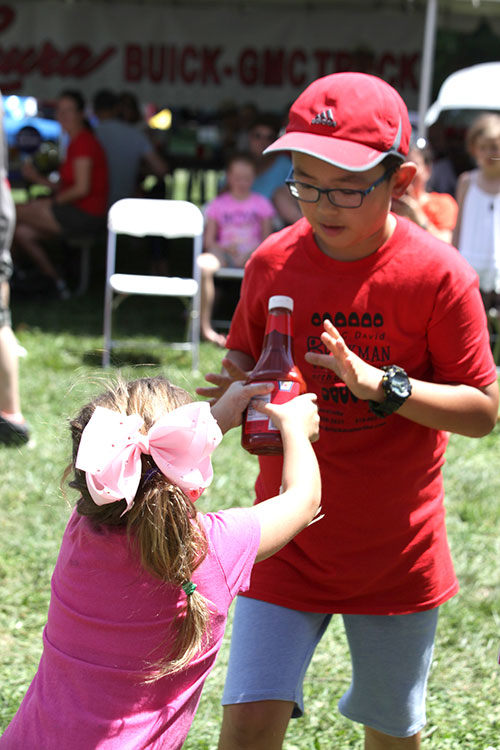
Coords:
pixel 477 231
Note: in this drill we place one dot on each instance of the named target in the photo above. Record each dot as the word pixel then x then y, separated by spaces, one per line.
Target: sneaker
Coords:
pixel 13 433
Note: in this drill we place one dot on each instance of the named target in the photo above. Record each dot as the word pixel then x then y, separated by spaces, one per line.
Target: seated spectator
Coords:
pixel 79 200
pixel 236 223
pixel 272 169
pixel 126 148
pixel 436 212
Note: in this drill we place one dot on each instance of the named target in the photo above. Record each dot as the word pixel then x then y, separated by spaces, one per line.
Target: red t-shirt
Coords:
pixel 442 210
pixel 381 547
pixel 85 144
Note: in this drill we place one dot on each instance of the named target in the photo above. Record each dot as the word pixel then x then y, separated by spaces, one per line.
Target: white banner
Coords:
pixel 200 57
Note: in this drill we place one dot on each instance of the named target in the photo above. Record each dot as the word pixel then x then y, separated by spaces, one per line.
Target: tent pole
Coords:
pixel 427 65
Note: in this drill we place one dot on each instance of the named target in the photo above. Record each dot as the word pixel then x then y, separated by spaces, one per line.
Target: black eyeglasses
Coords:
pixel 341 197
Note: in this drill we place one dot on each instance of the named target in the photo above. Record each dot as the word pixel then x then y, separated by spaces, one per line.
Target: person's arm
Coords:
pixel 229 408
pixel 286 206
pixel 156 163
pixel 462 187
pixel 31 174
pixel 82 174
pixel 459 408
pixel 235 366
pixel 266 227
pixel 283 516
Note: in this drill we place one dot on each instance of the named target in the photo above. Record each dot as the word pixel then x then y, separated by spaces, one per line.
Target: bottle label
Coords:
pixel 283 391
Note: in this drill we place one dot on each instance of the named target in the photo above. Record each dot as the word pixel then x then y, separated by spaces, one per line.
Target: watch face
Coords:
pixel 400 385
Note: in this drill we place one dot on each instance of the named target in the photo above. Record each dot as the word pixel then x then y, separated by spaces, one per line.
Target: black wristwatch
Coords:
pixel 397 388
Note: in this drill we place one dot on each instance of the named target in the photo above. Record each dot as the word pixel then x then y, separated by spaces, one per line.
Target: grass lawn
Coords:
pixel 62 370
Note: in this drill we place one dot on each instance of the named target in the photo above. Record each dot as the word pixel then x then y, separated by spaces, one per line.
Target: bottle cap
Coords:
pixel 279 300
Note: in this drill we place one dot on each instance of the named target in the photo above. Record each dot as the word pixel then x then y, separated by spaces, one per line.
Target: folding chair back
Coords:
pixel 141 217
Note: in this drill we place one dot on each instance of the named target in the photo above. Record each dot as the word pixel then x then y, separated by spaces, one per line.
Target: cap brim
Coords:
pixel 344 154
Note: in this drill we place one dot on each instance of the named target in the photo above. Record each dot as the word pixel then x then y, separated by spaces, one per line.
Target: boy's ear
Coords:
pixel 402 178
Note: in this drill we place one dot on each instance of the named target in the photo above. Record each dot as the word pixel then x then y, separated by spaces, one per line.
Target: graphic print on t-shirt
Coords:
pixel 365 335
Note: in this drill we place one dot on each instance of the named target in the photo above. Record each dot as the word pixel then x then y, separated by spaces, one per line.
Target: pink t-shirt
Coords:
pixel 107 620
pixel 239 222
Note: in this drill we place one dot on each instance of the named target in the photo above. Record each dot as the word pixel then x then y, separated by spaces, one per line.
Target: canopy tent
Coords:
pixel 431 13
pixel 474 88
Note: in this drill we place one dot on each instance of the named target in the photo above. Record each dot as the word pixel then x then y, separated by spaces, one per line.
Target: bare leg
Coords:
pixel 377 741
pixel 35 222
pixel 209 265
pixel 10 405
pixel 255 726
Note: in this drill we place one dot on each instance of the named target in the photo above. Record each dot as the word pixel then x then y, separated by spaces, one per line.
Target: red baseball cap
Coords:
pixel 351 120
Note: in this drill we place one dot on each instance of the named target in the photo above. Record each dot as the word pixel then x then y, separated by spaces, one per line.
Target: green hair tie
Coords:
pixel 189 588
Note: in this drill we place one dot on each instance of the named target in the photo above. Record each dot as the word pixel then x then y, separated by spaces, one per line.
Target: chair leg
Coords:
pixel 83 283
pixel 108 312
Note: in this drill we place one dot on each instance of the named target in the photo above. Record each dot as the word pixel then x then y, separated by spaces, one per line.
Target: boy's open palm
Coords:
pixel 362 379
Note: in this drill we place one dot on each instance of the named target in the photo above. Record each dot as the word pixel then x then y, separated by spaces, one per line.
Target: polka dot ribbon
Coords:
pixel 180 444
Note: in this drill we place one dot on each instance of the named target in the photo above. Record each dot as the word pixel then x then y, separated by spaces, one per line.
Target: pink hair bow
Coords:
pixel 180 444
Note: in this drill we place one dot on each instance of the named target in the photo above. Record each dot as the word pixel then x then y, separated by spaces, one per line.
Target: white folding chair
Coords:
pixel 142 217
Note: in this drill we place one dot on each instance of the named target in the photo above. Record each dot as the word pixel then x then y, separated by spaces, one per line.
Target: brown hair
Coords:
pixel 485 126
pixel 161 525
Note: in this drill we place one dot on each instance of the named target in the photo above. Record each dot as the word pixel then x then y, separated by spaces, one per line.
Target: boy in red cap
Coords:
pixel 390 332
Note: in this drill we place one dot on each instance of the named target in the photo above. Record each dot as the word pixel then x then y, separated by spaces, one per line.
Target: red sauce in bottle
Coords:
pixel 275 365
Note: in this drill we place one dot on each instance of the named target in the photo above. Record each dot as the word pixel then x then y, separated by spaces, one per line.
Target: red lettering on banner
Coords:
pixel 7 16
pixel 209 65
pixel 296 78
pixel 407 75
pixel 156 62
pixel 172 64
pixel 343 61
pixel 321 56
pixel 273 63
pixel 248 67
pixel 387 59
pixel 133 62
pixel 188 76
pixel 77 61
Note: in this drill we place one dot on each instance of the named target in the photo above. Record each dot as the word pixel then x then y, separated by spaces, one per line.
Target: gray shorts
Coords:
pixel 271 648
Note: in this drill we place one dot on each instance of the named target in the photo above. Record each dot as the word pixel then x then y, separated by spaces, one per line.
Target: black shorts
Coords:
pixel 75 221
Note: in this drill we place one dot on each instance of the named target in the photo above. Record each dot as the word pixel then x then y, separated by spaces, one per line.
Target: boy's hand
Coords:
pixel 229 408
pixel 301 413
pixel 221 381
pixel 362 379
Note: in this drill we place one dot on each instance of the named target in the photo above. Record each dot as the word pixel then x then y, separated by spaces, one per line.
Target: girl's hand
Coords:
pixel 228 410
pixel 362 379
pixel 221 381
pixel 301 413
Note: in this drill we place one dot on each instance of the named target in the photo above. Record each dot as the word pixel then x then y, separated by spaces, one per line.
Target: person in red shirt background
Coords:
pixel 436 212
pixel 79 200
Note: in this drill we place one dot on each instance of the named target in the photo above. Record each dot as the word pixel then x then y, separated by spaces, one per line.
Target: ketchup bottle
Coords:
pixel 275 365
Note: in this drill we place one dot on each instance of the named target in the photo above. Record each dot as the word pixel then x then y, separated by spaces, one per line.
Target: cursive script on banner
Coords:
pixel 76 61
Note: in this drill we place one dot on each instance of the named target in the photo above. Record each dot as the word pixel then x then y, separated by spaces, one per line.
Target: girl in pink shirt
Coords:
pixel 236 222
pixel 143 583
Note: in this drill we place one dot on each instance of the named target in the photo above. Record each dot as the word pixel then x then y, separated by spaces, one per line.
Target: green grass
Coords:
pixel 62 371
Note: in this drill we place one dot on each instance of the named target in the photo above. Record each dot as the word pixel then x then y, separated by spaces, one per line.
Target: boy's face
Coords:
pixel 348 234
